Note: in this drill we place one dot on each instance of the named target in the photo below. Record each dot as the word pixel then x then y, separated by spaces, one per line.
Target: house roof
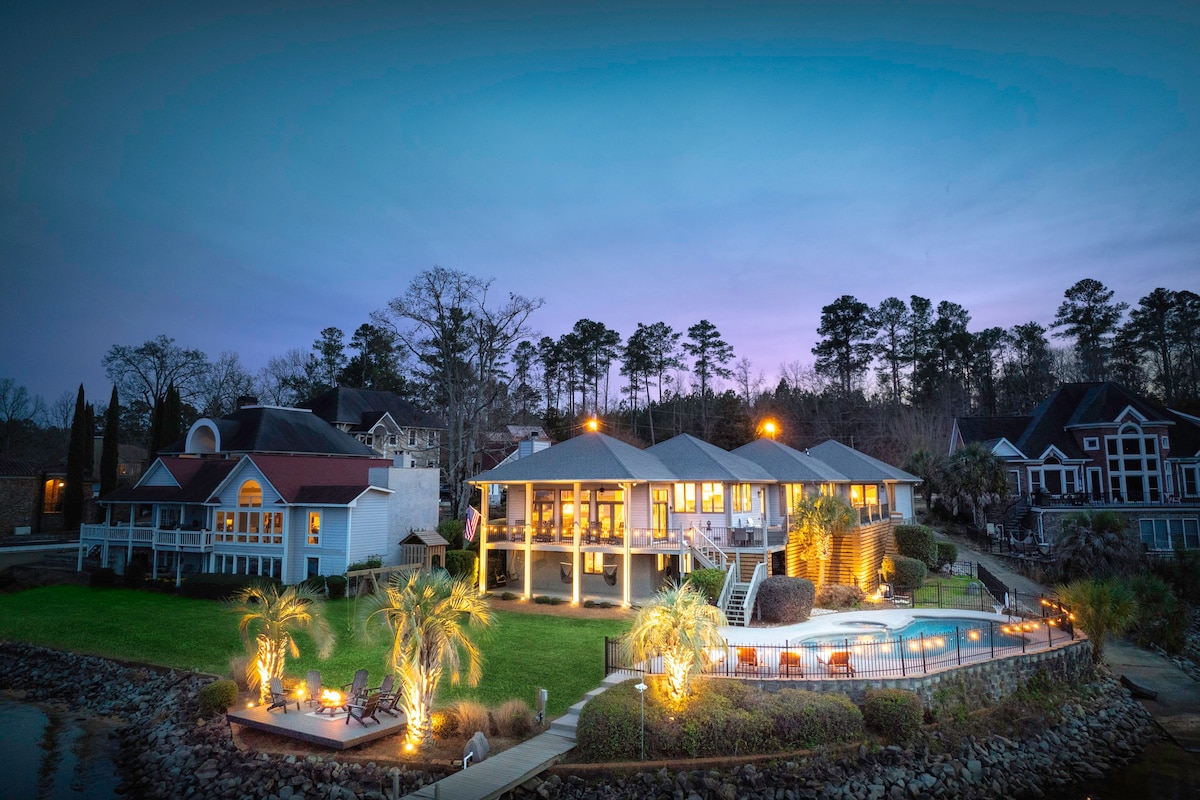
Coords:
pixel 587 457
pixel 858 466
pixel 362 408
pixel 317 479
pixel 197 479
pixel 788 465
pixel 16 468
pixel 992 429
pixel 691 459
pixel 268 429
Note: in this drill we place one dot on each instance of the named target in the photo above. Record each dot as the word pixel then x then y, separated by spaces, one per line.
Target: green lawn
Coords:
pixel 521 651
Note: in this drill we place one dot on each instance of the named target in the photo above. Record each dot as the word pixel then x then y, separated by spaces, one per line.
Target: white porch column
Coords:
pixel 762 493
pixel 576 558
pixel 482 533
pixel 627 560
pixel 285 561
pixel 528 541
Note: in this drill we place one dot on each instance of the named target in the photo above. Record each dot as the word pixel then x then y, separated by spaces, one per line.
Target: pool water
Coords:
pixel 52 754
pixel 976 632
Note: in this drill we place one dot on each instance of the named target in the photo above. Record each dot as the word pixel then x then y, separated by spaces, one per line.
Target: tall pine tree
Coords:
pixel 77 466
pixel 109 451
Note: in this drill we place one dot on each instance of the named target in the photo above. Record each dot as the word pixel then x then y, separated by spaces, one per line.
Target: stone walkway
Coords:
pixel 1177 709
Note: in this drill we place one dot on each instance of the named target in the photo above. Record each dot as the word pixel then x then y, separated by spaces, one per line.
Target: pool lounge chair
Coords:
pixel 838 664
pixel 789 665
pixel 747 661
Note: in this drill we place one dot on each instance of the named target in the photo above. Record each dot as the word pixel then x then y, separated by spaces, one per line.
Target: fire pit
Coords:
pixel 330 700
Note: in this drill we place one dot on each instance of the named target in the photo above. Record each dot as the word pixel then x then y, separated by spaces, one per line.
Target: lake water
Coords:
pixel 51 754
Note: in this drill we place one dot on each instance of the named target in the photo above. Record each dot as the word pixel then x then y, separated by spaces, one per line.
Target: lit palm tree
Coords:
pixel 815 518
pixel 272 616
pixel 1101 608
pixel 428 617
pixel 681 626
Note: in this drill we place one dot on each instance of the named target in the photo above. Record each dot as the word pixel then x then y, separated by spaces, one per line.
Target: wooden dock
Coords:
pixel 499 773
pixel 322 729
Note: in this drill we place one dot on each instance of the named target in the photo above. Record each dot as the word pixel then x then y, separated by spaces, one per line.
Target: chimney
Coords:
pixel 246 400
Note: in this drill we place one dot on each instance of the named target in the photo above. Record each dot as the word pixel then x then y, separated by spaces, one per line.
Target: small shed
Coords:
pixel 426 548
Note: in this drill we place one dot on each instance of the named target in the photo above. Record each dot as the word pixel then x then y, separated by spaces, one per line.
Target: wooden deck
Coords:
pixel 499 773
pixel 321 729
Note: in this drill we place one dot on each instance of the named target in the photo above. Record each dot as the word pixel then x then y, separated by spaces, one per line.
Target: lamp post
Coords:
pixel 641 688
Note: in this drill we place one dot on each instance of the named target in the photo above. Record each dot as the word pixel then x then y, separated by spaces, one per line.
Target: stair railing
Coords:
pixel 760 572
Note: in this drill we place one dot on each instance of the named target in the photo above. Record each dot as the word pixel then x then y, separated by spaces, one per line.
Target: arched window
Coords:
pixel 250 495
pixel 1133 465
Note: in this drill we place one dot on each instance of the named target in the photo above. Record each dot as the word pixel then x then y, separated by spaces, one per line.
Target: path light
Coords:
pixel 642 687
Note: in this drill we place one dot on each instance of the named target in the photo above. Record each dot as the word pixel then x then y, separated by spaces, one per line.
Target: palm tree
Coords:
pixel 929 467
pixel 815 520
pixel 680 625
pixel 428 617
pixel 1100 608
pixel 975 477
pixel 272 616
pixel 1098 544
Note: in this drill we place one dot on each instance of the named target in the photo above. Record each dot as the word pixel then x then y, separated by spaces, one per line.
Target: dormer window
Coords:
pixel 1091 443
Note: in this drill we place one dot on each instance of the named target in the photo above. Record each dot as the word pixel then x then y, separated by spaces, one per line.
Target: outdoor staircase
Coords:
pixel 566 725
pixel 707 553
pixel 1015 516
pixel 739 604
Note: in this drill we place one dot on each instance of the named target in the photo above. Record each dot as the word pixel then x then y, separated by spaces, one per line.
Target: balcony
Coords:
pixel 639 538
pixel 128 535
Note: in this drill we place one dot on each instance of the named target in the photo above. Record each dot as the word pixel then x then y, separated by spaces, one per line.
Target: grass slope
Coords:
pixel 521 652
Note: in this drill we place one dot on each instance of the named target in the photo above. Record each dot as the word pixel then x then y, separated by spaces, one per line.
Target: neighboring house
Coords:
pixel 518 441
pixel 30 498
pixel 267 491
pixel 596 516
pixel 390 425
pixel 1097 445
pixel 130 460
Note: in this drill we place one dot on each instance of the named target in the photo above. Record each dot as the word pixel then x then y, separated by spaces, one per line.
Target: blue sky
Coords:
pixel 241 175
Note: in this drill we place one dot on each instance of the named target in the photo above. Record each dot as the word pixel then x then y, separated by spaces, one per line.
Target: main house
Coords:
pixel 1098 445
pixel 269 491
pixel 597 517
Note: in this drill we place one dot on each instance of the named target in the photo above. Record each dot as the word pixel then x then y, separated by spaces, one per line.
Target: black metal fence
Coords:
pixel 867 656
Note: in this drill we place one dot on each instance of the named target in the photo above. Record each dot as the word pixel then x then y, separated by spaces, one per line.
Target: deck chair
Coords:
pixel 312 687
pixel 838 664
pixel 279 698
pixel 364 711
pixel 357 688
pixel 385 686
pixel 747 660
pixel 789 665
pixel 610 574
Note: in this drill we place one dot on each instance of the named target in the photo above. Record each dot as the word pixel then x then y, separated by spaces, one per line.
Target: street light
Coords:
pixel 642 687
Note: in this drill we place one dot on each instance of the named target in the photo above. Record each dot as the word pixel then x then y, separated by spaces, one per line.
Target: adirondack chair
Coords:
pixel 279 698
pixel 357 688
pixel 312 687
pixel 364 711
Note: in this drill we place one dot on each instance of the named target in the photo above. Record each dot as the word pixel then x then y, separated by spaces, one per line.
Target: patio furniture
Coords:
pixel 789 665
pixel 747 661
pixel 364 711
pixel 838 664
pixel 356 689
pixel 312 687
pixel 389 703
pixel 565 570
pixel 279 698
pixel 610 574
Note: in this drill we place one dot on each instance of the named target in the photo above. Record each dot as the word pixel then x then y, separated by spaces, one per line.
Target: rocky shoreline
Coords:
pixel 167 752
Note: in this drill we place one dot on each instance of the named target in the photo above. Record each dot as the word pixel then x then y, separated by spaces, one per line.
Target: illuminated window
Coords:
pixel 712 497
pixel 314 527
pixel 741 497
pixel 250 495
pixel 52 496
pixel 864 494
pixel 593 563
pixel 685 498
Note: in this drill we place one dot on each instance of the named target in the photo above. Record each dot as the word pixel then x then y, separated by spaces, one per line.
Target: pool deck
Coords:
pixel 320 729
pixel 847 622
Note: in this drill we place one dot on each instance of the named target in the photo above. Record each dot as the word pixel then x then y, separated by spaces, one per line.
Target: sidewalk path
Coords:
pixel 1177 709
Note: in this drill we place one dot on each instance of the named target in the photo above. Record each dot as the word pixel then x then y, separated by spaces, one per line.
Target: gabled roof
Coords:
pixel 316 479
pixel 788 465
pixel 991 430
pixel 858 466
pixel 427 538
pixel 15 468
pixel 588 457
pixel 269 429
pixel 361 408
pixel 691 459
pixel 197 479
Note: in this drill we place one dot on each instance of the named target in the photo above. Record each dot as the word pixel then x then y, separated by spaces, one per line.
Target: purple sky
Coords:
pixel 241 175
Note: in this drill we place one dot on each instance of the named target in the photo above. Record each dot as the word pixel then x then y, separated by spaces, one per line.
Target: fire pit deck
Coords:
pixel 328 729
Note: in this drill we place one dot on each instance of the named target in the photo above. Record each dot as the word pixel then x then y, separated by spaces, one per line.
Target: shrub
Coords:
pixel 589 603
pixel 316 583
pixel 445 724
pixel 894 713
pixel 371 562
pixel 514 718
pixel 709 581
pixel 217 697
pixel 219 586
pixel 916 541
pixel 542 600
pixel 471 716
pixel 947 553
pixel 102 578
pixel 839 595
pixel 785 600
pixel 237 669
pixel 610 725
pixel 336 586
pixel 509 596
pixel 452 531
pixel 461 564
pixel 804 719
pixel 903 572
pixel 1160 619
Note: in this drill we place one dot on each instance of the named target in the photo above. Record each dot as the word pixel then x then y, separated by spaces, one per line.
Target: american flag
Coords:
pixel 472 524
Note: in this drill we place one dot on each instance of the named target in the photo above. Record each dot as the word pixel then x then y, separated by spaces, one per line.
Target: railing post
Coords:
pixel 903 656
pixel 992 637
pixel 958 644
pixel 924 664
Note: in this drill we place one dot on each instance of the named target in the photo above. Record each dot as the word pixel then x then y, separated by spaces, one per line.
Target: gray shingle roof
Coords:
pixel 361 408
pixel 691 459
pixel 266 429
pixel 858 466
pixel 788 465
pixel 588 457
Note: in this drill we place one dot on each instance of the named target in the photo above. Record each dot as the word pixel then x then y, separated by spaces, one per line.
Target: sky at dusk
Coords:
pixel 239 176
